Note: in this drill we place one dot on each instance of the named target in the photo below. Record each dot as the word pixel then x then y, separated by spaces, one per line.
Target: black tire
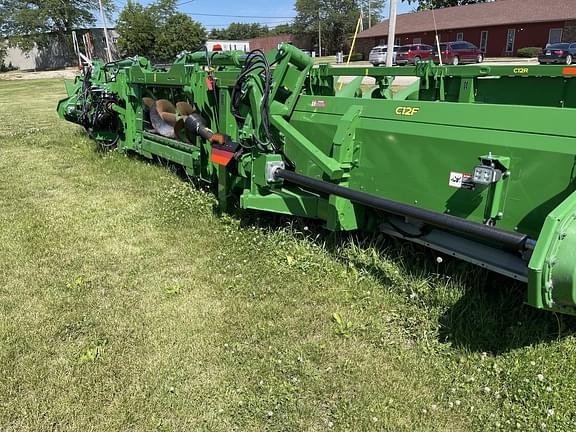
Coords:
pixel 455 61
pixel 569 59
pixel 417 59
pixel 479 58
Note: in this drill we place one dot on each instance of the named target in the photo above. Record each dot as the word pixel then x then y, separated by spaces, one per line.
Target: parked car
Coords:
pixel 458 52
pixel 558 53
pixel 378 55
pixel 412 54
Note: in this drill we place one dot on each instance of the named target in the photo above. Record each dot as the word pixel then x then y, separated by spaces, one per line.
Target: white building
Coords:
pixel 228 45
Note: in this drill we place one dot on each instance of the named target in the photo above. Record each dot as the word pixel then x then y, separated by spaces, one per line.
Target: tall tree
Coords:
pixel 2 54
pixel 438 4
pixel 157 31
pixel 282 29
pixel 336 20
pixel 240 31
pixel 136 29
pixel 28 22
pixel 179 33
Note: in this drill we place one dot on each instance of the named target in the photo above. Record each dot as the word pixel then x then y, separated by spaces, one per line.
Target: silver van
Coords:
pixel 378 55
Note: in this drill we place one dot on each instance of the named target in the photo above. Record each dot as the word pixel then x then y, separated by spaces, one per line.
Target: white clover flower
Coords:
pixel 532 363
pixel 374 419
pixel 548 389
pixel 330 424
pixel 270 413
pixel 486 389
pixel 540 377
pixel 450 404
pixel 457 403
pixel 433 406
pixel 550 412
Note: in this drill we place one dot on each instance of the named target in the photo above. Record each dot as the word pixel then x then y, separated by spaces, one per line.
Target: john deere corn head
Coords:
pixel 478 162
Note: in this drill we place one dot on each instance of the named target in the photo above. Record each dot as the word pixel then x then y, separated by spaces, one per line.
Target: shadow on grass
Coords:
pixel 494 318
pixel 489 316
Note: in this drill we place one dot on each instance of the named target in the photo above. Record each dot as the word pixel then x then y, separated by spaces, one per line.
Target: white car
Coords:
pixel 378 55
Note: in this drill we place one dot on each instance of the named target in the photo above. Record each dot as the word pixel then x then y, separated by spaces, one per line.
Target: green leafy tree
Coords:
pixel 240 31
pixel 438 4
pixel 179 33
pixel 29 22
pixel 2 54
pixel 157 31
pixel 336 18
pixel 136 30
pixel 282 29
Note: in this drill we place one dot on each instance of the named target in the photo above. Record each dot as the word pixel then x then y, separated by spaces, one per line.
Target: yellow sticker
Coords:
pixel 407 111
pixel 520 70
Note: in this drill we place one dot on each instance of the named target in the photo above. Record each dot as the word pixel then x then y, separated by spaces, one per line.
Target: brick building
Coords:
pixel 269 42
pixel 499 27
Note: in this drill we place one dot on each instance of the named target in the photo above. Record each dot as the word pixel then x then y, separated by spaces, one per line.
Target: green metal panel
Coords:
pixel 417 146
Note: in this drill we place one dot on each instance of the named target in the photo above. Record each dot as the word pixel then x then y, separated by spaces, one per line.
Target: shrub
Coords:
pixel 2 54
pixel 355 57
pixel 529 52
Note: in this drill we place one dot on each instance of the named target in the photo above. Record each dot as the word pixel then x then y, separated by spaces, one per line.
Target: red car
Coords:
pixel 412 54
pixel 459 52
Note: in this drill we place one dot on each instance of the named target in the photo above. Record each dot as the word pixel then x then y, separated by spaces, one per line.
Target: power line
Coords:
pixel 238 16
pixel 269 25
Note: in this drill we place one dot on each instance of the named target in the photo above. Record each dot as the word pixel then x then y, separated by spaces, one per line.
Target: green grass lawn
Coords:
pixel 128 303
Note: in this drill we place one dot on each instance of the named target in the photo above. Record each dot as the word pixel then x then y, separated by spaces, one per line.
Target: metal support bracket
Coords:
pixel 345 214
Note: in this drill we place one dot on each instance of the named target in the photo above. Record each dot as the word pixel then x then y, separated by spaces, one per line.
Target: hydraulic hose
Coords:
pixel 508 239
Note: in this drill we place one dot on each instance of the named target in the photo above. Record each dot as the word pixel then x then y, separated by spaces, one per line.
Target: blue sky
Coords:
pixel 280 10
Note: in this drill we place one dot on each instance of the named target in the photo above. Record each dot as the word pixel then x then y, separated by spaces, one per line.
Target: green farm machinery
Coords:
pixel 477 162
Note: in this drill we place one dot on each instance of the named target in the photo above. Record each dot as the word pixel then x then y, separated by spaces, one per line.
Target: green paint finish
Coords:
pixel 284 201
pixel 552 269
pixel 416 146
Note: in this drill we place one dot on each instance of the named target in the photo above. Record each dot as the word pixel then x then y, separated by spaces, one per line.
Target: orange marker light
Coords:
pixel 569 71
pixel 221 157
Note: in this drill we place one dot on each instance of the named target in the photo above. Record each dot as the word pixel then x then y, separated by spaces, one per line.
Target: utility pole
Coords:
pixel 108 51
pixel 361 16
pixel 369 14
pixel 391 33
pixel 319 33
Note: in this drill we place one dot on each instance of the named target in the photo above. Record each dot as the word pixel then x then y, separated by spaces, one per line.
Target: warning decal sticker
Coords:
pixel 460 180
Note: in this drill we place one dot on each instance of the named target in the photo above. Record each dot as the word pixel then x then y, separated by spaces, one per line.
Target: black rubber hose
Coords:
pixel 451 223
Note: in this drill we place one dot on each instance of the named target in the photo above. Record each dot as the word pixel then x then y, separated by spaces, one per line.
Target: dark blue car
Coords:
pixel 564 53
